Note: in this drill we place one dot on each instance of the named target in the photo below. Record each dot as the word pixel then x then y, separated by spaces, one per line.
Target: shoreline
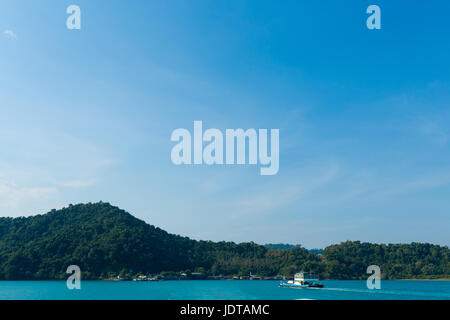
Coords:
pixel 438 279
pixel 110 280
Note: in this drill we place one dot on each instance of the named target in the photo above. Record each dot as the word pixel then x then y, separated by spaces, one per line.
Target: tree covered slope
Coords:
pixel 105 240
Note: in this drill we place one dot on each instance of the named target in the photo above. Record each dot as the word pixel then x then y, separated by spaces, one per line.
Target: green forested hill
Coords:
pixel 105 240
pixel 397 261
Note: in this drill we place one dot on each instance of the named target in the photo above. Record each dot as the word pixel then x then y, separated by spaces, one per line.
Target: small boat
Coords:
pixel 303 280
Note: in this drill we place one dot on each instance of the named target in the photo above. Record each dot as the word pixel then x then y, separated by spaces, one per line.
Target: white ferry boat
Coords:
pixel 303 280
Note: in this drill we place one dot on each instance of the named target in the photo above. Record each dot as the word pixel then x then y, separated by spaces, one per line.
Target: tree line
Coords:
pixel 106 241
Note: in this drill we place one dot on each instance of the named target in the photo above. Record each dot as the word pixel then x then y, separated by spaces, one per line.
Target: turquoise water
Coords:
pixel 221 289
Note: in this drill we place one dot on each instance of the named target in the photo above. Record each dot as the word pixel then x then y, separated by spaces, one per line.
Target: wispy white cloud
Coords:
pixel 418 184
pixel 435 132
pixel 299 185
pixel 78 183
pixel 13 196
pixel 10 34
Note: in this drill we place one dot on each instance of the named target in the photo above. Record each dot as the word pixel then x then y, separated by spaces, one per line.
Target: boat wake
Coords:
pixel 384 292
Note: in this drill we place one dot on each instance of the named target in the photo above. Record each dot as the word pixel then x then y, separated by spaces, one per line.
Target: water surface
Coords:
pixel 222 289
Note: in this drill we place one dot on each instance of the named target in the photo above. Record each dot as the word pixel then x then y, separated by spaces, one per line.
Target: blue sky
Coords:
pixel 363 115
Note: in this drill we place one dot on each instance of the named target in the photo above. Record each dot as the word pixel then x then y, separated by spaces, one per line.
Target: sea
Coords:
pixel 223 290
